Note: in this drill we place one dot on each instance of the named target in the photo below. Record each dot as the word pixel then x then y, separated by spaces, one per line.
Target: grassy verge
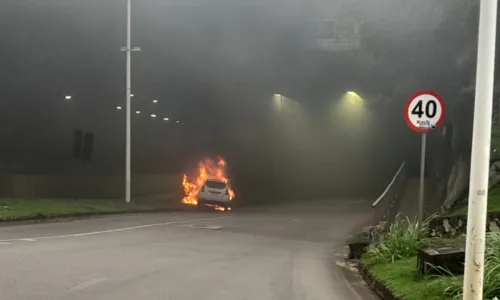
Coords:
pixel 25 209
pixel 493 204
pixel 401 278
pixel 394 262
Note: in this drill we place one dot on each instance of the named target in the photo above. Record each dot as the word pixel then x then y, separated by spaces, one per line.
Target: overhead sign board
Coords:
pixel 333 34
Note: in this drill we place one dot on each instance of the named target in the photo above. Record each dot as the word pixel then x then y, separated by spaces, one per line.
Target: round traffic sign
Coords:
pixel 424 111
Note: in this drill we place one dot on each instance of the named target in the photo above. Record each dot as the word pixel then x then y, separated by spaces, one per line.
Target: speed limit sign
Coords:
pixel 425 111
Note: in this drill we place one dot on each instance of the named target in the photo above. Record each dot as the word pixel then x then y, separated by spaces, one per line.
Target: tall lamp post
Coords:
pixel 480 156
pixel 129 50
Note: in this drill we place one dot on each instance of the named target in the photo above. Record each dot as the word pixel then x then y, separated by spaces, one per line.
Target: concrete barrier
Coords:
pixel 86 186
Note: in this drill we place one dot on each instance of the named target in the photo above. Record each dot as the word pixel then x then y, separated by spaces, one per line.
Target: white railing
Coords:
pixel 388 188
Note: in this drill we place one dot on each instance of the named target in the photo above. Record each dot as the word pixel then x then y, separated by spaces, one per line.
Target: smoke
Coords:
pixel 213 64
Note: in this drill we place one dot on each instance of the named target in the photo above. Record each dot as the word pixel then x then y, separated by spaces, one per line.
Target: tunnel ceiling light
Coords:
pixel 353 97
pixel 353 94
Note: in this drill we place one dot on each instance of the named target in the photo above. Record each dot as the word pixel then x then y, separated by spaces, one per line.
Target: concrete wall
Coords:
pixel 455 226
pixel 86 186
pixel 340 150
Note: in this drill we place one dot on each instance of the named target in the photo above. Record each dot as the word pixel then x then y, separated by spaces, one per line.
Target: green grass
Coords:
pixel 400 273
pixel 394 261
pixel 402 278
pixel 12 208
pixel 402 240
pixel 453 285
pixel 493 204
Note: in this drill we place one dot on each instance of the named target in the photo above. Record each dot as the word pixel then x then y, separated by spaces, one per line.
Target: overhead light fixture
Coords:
pixel 119 107
pixel 137 111
pixel 155 101
pixel 153 116
pixel 68 97
pixel 166 119
pixel 353 97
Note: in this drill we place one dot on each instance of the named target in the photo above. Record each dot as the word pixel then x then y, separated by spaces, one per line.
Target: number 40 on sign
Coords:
pixel 425 111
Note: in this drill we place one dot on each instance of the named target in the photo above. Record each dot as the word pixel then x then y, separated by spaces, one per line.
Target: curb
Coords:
pixel 377 286
pixel 48 217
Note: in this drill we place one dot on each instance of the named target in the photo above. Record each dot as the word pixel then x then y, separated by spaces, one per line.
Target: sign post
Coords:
pixel 424 111
pixel 422 178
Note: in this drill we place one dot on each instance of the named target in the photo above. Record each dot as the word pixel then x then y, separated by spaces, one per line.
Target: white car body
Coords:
pixel 214 192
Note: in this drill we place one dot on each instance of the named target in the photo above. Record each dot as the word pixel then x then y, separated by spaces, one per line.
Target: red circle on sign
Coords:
pixel 418 94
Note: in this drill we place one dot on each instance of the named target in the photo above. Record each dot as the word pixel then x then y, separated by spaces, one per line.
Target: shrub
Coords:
pixel 402 240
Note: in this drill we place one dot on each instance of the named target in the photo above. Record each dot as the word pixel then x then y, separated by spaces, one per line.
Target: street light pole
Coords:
pixel 128 174
pixel 128 49
pixel 480 157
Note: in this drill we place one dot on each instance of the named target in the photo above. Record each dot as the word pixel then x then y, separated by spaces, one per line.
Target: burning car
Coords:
pixel 209 185
pixel 215 192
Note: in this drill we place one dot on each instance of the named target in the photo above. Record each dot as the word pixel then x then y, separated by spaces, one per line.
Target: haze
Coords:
pixel 214 66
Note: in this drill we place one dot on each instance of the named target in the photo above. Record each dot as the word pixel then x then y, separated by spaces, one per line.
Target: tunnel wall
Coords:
pixel 289 151
pixel 292 151
pixel 82 186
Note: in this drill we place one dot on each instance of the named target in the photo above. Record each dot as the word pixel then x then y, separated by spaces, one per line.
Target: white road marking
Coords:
pixel 1 243
pixel 86 284
pixel 108 231
pixel 198 226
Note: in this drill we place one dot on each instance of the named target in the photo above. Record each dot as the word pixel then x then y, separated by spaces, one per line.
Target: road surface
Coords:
pixel 272 253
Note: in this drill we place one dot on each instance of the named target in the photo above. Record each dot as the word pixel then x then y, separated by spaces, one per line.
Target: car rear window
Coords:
pixel 215 184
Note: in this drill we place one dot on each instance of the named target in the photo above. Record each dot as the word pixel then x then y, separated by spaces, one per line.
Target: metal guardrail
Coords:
pixel 381 197
pixel 387 200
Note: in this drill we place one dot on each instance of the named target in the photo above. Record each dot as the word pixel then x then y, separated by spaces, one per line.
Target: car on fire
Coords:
pixel 215 193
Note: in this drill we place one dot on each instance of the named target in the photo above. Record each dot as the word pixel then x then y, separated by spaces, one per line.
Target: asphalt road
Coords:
pixel 278 253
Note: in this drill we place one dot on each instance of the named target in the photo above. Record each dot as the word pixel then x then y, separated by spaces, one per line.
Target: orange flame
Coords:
pixel 207 169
